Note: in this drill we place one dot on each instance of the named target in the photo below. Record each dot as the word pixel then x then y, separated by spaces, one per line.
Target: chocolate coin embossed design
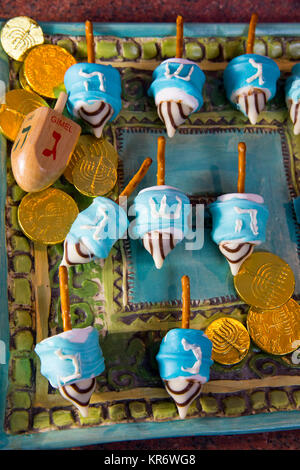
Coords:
pixel 18 103
pixel 90 146
pixel 276 331
pixel 94 176
pixel 230 339
pixel 46 217
pixel 19 35
pixel 45 67
pixel 265 281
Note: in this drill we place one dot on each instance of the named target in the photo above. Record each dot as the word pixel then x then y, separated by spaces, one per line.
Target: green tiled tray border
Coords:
pixel 125 49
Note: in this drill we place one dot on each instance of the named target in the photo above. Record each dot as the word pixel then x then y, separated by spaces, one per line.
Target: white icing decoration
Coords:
pixel 177 73
pixel 155 214
pixel 98 229
pixel 238 225
pixel 90 75
pixel 253 218
pixel 248 196
pixel 197 353
pixel 258 74
pixel 73 358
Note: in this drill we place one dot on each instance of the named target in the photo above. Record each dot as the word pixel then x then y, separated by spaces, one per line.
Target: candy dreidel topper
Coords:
pixel 72 360
pixel 94 90
pixel 239 220
pixel 43 146
pixel 184 358
pixel 161 214
pixel 250 79
pixel 177 87
pixel 97 228
pixel 292 96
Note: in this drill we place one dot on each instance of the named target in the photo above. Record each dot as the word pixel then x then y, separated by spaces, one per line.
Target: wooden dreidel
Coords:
pixel 43 147
pixel 239 219
pixel 184 358
pixel 250 79
pixel 177 86
pixel 161 214
pixel 72 360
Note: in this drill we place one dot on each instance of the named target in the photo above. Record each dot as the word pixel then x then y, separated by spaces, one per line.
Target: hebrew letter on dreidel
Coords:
pixel 49 152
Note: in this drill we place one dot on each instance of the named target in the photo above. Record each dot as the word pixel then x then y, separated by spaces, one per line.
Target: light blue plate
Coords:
pixel 271 161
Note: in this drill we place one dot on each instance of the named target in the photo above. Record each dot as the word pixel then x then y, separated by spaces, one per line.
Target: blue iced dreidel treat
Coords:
pixel 184 358
pixel 72 360
pixel 292 96
pixel 94 232
pixel 162 214
pixel 250 80
pixel 239 220
pixel 94 90
pixel 97 228
pixel 177 88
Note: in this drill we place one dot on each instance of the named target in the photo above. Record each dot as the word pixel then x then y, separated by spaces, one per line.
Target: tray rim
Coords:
pixel 207 426
pixel 132 29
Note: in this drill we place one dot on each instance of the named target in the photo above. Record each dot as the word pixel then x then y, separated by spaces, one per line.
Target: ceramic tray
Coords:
pixel 260 394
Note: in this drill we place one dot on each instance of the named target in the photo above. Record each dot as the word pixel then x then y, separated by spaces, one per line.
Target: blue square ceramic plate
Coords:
pixel 130 302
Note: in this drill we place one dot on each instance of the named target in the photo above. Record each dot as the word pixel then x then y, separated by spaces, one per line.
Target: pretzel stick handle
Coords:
pixel 134 182
pixel 251 34
pixel 179 37
pixel 161 144
pixel 242 167
pixel 89 34
pixel 64 298
pixel 186 302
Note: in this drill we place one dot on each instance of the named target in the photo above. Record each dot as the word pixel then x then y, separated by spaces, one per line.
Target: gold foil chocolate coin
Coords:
pixel 265 281
pixel 275 331
pixel 94 176
pixel 89 146
pixel 19 35
pixel 46 217
pixel 10 122
pixel 24 101
pixel 18 103
pixel 45 67
pixel 22 79
pixel 230 339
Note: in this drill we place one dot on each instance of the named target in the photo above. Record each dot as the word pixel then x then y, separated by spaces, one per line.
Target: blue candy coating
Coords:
pixel 174 357
pixel 192 87
pixel 292 86
pixel 91 89
pixel 225 215
pixel 151 199
pixel 240 69
pixel 99 226
pixel 65 360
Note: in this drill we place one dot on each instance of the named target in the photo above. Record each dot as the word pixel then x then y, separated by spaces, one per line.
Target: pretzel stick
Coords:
pixel 89 34
pixel 64 298
pixel 161 144
pixel 242 167
pixel 179 37
pixel 251 33
pixel 186 302
pixel 136 179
